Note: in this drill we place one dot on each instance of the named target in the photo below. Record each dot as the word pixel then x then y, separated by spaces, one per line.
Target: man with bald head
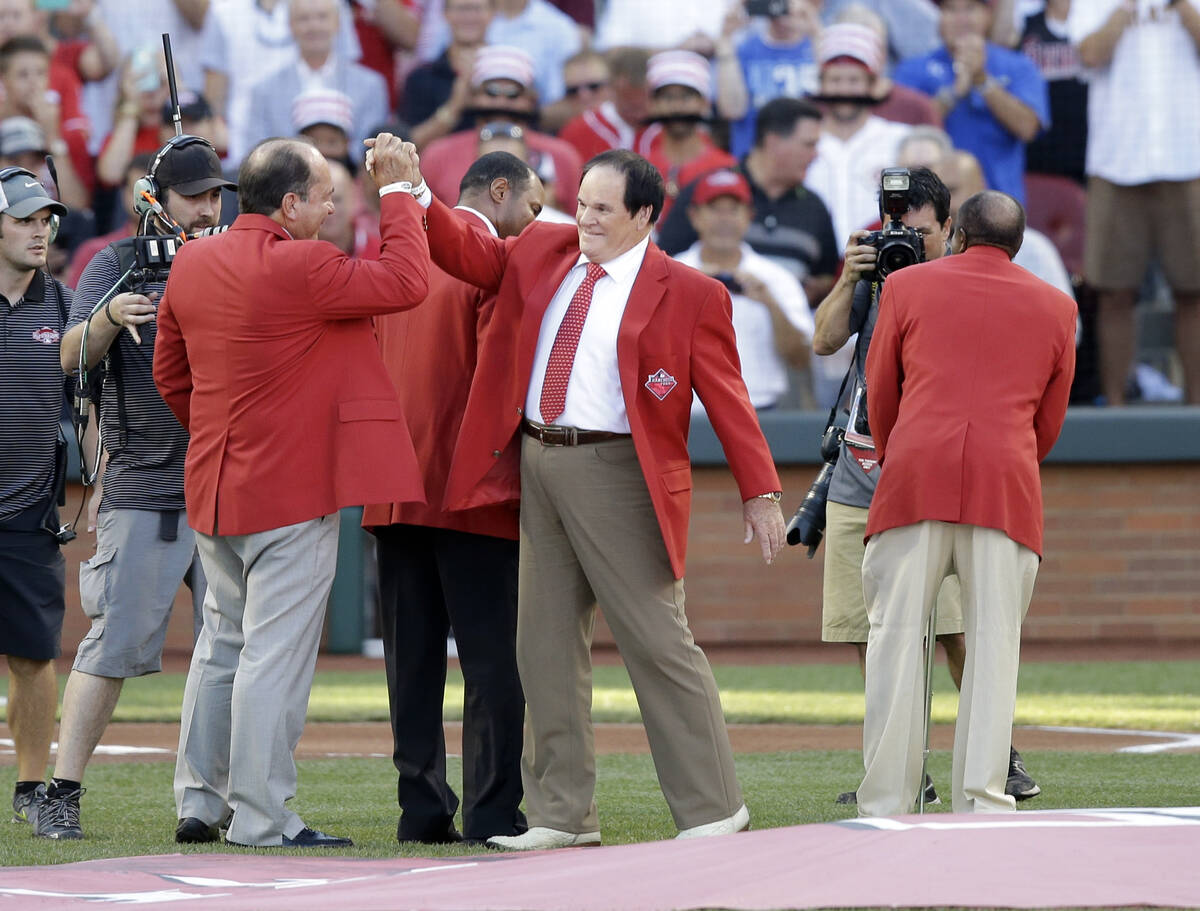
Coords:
pixel 968 376
pixel 267 356
pixel 962 173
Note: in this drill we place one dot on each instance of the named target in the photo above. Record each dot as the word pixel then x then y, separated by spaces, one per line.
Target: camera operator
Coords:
pixel 852 307
pixel 144 547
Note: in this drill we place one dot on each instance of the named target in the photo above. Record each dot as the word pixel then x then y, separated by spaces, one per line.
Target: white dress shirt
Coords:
pixel 594 397
pixel 483 218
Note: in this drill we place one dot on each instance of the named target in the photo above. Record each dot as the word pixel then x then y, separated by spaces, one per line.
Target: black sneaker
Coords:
pixel 931 796
pixel 25 806
pixel 58 816
pixel 1019 785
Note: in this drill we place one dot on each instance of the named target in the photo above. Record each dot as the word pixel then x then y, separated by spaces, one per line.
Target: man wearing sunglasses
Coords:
pixel 612 117
pixel 502 90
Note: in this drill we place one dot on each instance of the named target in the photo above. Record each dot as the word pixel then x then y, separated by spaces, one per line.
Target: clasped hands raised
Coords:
pixel 390 159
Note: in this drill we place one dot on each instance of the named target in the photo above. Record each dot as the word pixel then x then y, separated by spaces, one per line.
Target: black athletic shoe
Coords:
pixel 931 796
pixel 1019 785
pixel 25 806
pixel 58 816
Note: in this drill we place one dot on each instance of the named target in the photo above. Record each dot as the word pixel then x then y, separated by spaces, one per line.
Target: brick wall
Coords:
pixel 1122 563
pixel 1122 550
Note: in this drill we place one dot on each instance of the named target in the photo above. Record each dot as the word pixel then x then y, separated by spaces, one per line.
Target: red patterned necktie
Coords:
pixel 562 352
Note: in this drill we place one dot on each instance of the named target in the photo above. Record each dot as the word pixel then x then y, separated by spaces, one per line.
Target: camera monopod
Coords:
pixel 930 647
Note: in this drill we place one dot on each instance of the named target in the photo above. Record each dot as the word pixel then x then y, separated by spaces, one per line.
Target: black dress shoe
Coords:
pixel 312 838
pixel 446 836
pixel 193 831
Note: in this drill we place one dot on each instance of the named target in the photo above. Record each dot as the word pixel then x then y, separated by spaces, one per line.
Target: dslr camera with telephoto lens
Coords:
pixel 897 245
pixel 807 526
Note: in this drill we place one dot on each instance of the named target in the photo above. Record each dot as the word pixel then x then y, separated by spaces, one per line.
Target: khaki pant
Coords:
pixel 843 608
pixel 902 572
pixel 589 537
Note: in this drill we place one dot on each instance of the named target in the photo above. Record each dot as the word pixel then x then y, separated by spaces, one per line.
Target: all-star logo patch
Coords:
pixel 46 335
pixel 660 383
pixel 866 461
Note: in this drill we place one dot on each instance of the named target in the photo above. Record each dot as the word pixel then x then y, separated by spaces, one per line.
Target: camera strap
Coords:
pixel 841 392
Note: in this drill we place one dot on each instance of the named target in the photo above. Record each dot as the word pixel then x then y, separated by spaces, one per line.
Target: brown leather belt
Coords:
pixel 552 435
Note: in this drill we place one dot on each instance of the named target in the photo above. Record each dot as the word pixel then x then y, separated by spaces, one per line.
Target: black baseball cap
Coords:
pixel 191 168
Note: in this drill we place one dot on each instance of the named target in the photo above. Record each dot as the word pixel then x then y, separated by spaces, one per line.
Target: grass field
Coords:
pixel 129 807
pixel 1137 695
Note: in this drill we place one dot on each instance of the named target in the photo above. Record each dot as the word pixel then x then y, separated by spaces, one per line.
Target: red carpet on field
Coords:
pixel 1059 858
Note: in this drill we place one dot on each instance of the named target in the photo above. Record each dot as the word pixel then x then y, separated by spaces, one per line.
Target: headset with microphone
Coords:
pixel 8 174
pixel 146 190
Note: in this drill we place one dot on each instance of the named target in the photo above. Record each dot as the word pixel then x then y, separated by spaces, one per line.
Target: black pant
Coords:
pixel 432 580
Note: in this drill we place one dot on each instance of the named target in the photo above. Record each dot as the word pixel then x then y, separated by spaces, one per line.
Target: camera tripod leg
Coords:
pixel 930 648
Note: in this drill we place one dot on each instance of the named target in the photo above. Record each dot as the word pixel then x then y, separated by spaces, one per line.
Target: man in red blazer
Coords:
pixel 266 354
pixel 968 376
pixel 580 406
pixel 442 570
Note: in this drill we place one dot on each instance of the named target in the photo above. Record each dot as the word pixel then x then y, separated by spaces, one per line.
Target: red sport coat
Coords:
pixel 968 376
pixel 430 354
pixel 676 328
pixel 266 353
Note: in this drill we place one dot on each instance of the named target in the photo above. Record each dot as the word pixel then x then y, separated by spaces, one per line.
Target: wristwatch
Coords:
pixel 774 496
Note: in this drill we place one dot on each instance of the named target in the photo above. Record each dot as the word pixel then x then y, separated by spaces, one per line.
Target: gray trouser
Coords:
pixel 247 690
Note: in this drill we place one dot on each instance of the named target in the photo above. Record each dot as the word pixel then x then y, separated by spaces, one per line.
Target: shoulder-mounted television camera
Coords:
pixel 149 256
pixel 897 245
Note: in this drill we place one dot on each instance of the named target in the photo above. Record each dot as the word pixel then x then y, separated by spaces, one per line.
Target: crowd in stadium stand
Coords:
pixel 1071 107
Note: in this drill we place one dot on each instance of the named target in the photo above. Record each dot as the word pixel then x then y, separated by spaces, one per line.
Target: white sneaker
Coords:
pixel 541 838
pixel 735 823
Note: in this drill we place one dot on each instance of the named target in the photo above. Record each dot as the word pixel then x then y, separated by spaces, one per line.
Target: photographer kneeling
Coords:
pixel 850 308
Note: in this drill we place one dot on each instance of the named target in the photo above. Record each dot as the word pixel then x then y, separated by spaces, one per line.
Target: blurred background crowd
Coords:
pixel 769 119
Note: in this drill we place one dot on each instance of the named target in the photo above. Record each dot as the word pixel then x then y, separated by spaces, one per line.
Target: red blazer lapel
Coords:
pixel 648 290
pixel 558 263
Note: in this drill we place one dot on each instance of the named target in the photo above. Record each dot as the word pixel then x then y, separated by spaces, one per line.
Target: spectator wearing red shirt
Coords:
pixel 617 118
pixel 680 147
pixel 502 91
pixel 25 76
pixel 81 49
